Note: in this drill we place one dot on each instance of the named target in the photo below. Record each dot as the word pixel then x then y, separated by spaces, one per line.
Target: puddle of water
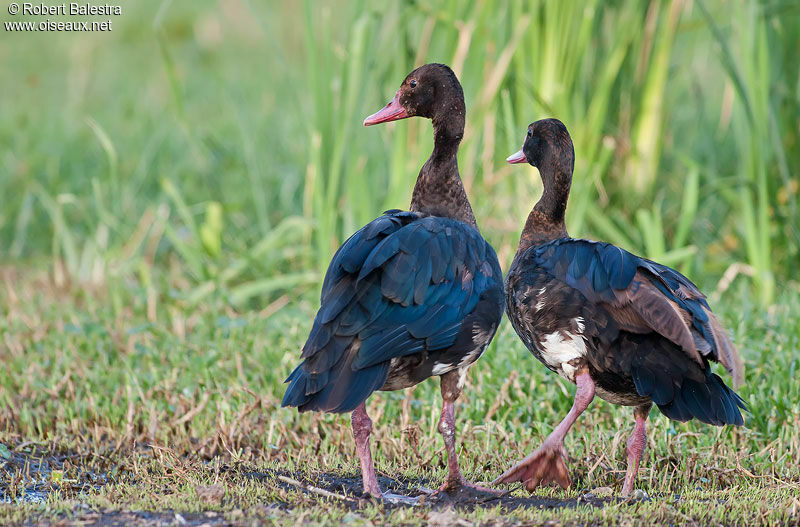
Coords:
pixel 28 495
pixel 36 476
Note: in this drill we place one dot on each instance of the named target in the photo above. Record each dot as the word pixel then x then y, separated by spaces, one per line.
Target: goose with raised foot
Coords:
pixel 621 327
pixel 411 295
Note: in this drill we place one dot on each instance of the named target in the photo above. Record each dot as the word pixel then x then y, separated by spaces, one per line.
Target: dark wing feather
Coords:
pixel 644 295
pixel 681 388
pixel 401 285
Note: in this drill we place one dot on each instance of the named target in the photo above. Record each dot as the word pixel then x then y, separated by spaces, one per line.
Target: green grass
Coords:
pixel 172 192
pixel 191 398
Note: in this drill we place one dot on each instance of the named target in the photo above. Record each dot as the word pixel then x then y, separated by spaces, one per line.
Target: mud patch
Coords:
pixel 34 475
pixel 30 474
pixel 468 500
pixel 349 491
pixel 338 485
pixel 138 518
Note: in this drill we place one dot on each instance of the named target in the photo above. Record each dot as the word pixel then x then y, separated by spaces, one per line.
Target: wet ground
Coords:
pixel 349 491
pixel 30 475
pixel 137 518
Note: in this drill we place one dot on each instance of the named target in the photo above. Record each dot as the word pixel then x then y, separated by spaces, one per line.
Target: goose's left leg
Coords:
pixel 451 389
pixel 635 448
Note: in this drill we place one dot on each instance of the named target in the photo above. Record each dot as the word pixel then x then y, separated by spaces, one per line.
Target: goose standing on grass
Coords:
pixel 624 328
pixel 409 296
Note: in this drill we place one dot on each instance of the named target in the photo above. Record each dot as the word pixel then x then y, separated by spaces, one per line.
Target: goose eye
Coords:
pixel 413 84
pixel 529 132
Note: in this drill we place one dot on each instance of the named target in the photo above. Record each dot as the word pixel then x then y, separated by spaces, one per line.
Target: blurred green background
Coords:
pixel 212 151
pixel 171 193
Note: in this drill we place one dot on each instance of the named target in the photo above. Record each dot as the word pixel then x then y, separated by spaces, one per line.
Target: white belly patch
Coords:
pixel 559 348
pixel 440 368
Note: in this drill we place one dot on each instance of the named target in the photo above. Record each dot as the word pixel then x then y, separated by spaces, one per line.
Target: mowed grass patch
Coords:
pixel 136 413
pixel 225 137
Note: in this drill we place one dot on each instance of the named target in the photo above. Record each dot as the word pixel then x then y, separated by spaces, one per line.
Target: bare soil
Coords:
pixel 462 498
pixel 30 476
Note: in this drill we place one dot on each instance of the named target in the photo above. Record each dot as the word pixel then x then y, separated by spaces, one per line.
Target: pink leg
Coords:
pixel 546 464
pixel 635 448
pixel 362 428
pixel 447 427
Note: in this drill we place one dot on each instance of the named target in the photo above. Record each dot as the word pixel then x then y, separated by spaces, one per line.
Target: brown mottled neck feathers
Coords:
pixel 545 223
pixel 539 229
pixel 439 190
